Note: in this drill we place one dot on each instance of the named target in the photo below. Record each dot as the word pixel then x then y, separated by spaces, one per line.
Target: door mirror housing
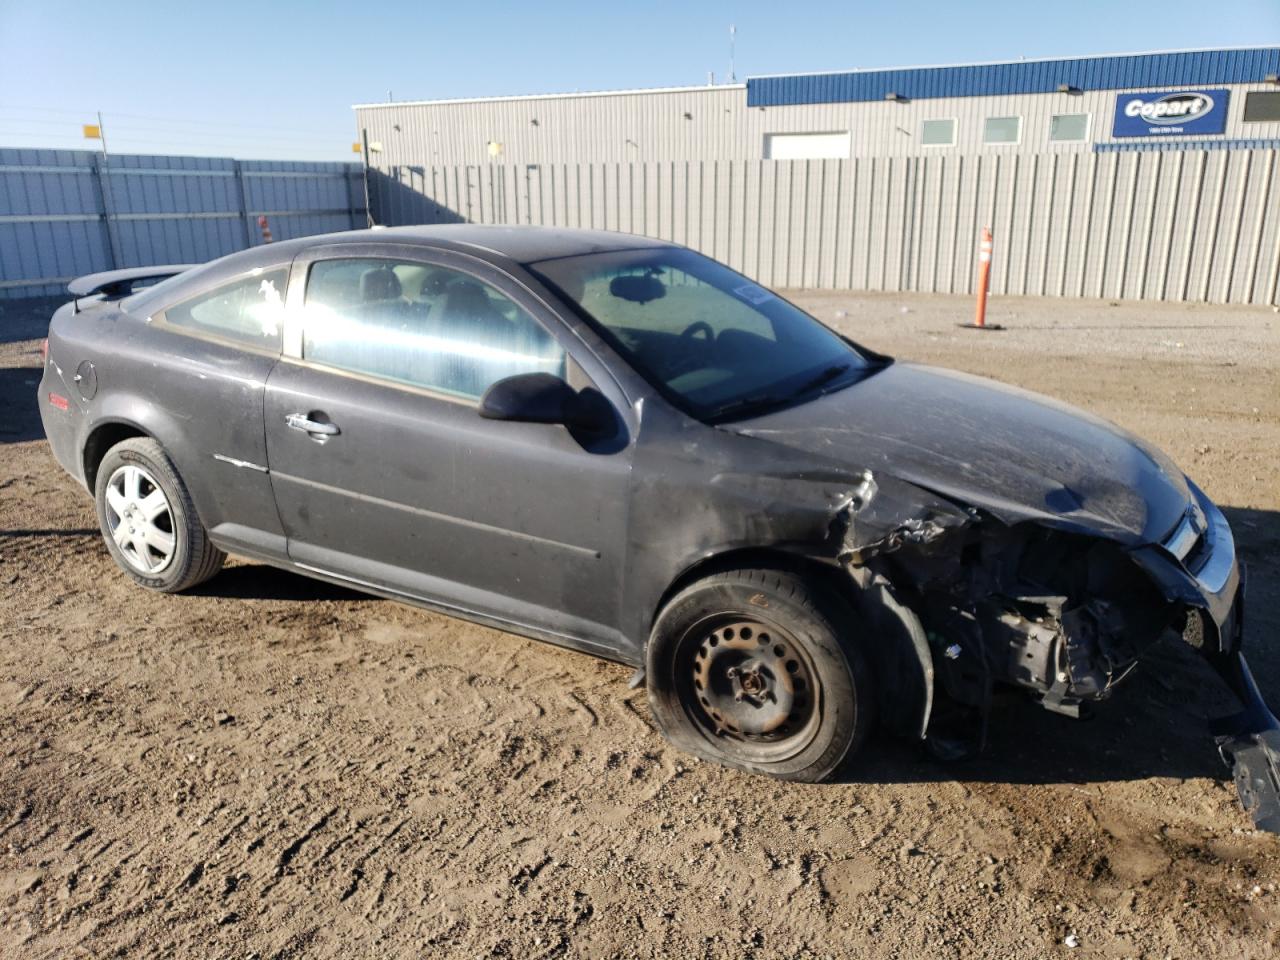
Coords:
pixel 528 398
pixel 545 398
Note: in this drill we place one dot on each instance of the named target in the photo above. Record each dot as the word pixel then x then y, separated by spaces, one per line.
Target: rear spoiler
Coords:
pixel 113 284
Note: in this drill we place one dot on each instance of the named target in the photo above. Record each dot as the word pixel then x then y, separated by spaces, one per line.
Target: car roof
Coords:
pixel 520 244
pixel 523 244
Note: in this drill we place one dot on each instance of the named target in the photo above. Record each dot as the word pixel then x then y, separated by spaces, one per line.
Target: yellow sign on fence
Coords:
pixel 91 132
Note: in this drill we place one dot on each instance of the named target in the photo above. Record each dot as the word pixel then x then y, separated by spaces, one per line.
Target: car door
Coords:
pixel 198 386
pixel 384 472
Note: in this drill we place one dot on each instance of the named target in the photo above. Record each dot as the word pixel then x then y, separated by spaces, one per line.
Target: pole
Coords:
pixel 984 285
pixel 984 278
pixel 364 140
pixel 108 200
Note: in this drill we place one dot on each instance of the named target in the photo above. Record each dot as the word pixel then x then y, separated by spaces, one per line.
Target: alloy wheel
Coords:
pixel 140 519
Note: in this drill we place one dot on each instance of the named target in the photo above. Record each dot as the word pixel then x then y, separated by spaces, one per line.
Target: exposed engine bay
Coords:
pixel 1065 616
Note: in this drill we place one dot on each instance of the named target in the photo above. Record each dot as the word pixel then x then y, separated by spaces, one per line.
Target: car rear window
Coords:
pixel 248 310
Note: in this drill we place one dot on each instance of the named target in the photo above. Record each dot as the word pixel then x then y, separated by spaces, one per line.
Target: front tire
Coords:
pixel 760 670
pixel 148 520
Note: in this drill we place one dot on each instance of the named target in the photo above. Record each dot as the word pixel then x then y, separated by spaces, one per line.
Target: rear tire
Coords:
pixel 760 670
pixel 148 520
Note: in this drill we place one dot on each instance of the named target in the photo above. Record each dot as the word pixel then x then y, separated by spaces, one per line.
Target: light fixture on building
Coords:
pixel 1068 88
pixel 1273 78
pixel 895 97
pixel 533 122
pixel 688 115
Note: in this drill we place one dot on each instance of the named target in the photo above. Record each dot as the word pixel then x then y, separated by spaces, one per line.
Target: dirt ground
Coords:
pixel 271 767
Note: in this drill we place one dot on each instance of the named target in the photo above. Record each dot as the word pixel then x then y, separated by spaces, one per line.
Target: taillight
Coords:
pixel 44 350
pixel 58 401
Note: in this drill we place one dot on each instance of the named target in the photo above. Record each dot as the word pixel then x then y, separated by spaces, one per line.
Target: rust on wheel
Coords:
pixel 753 688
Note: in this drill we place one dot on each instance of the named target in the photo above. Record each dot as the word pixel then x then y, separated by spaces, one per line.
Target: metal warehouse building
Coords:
pixel 1140 175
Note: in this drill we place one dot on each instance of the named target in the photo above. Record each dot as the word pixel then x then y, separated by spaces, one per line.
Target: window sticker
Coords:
pixel 753 294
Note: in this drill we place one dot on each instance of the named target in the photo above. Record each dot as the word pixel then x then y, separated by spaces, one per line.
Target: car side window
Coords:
pixel 249 310
pixel 420 324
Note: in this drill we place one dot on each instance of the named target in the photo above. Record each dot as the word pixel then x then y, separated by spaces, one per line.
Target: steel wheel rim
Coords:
pixel 750 688
pixel 140 519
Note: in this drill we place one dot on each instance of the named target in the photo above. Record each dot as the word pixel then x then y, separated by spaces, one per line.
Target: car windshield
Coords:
pixel 718 345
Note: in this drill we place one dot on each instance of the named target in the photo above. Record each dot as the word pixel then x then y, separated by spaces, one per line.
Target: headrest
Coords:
pixel 468 299
pixel 377 284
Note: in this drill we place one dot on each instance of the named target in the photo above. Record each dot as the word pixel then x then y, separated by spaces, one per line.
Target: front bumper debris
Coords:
pixel 1249 741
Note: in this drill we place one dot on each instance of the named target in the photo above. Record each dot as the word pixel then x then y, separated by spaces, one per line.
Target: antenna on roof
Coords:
pixel 732 34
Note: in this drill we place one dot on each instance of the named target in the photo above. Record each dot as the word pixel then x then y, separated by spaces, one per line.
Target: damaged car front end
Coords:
pixel 1046 607
pixel 996 537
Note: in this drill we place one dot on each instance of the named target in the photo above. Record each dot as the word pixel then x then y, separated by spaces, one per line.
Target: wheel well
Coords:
pixel 754 557
pixel 103 438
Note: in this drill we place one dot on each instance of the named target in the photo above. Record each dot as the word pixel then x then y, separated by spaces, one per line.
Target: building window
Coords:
pixel 938 133
pixel 806 146
pixel 1261 106
pixel 1002 130
pixel 1069 127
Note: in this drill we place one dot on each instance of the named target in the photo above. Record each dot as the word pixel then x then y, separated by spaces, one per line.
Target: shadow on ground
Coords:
pixel 21 418
pixel 265 582
pixel 27 318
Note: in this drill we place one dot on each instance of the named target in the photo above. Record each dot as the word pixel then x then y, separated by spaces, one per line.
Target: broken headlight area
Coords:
pixel 964 604
pixel 1063 616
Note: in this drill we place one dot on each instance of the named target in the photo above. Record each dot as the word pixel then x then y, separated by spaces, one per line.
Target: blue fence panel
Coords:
pixel 65 213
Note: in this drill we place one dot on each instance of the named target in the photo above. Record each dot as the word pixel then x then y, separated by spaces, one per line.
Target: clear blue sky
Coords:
pixel 277 79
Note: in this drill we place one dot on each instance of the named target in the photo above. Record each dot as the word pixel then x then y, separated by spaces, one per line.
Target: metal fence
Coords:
pixel 64 213
pixel 1171 225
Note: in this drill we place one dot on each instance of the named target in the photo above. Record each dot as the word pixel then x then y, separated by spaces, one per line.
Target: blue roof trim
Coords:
pixel 1198 68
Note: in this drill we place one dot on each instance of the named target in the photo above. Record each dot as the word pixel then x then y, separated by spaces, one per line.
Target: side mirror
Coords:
pixel 544 398
pixel 528 398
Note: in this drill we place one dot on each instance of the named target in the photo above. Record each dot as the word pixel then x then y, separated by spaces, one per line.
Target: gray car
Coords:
pixel 618 445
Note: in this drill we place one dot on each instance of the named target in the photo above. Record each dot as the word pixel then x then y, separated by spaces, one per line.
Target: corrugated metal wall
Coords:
pixel 64 213
pixel 696 122
pixel 1175 225
pixel 716 123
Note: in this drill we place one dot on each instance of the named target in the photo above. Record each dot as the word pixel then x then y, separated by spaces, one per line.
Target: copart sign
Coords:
pixel 1181 112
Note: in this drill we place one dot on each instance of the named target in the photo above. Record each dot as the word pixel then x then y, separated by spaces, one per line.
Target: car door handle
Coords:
pixel 300 421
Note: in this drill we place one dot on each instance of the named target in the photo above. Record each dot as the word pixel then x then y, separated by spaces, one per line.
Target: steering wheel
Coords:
pixel 685 358
pixel 698 326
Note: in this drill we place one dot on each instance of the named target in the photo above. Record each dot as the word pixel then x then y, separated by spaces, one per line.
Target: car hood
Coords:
pixel 1016 454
